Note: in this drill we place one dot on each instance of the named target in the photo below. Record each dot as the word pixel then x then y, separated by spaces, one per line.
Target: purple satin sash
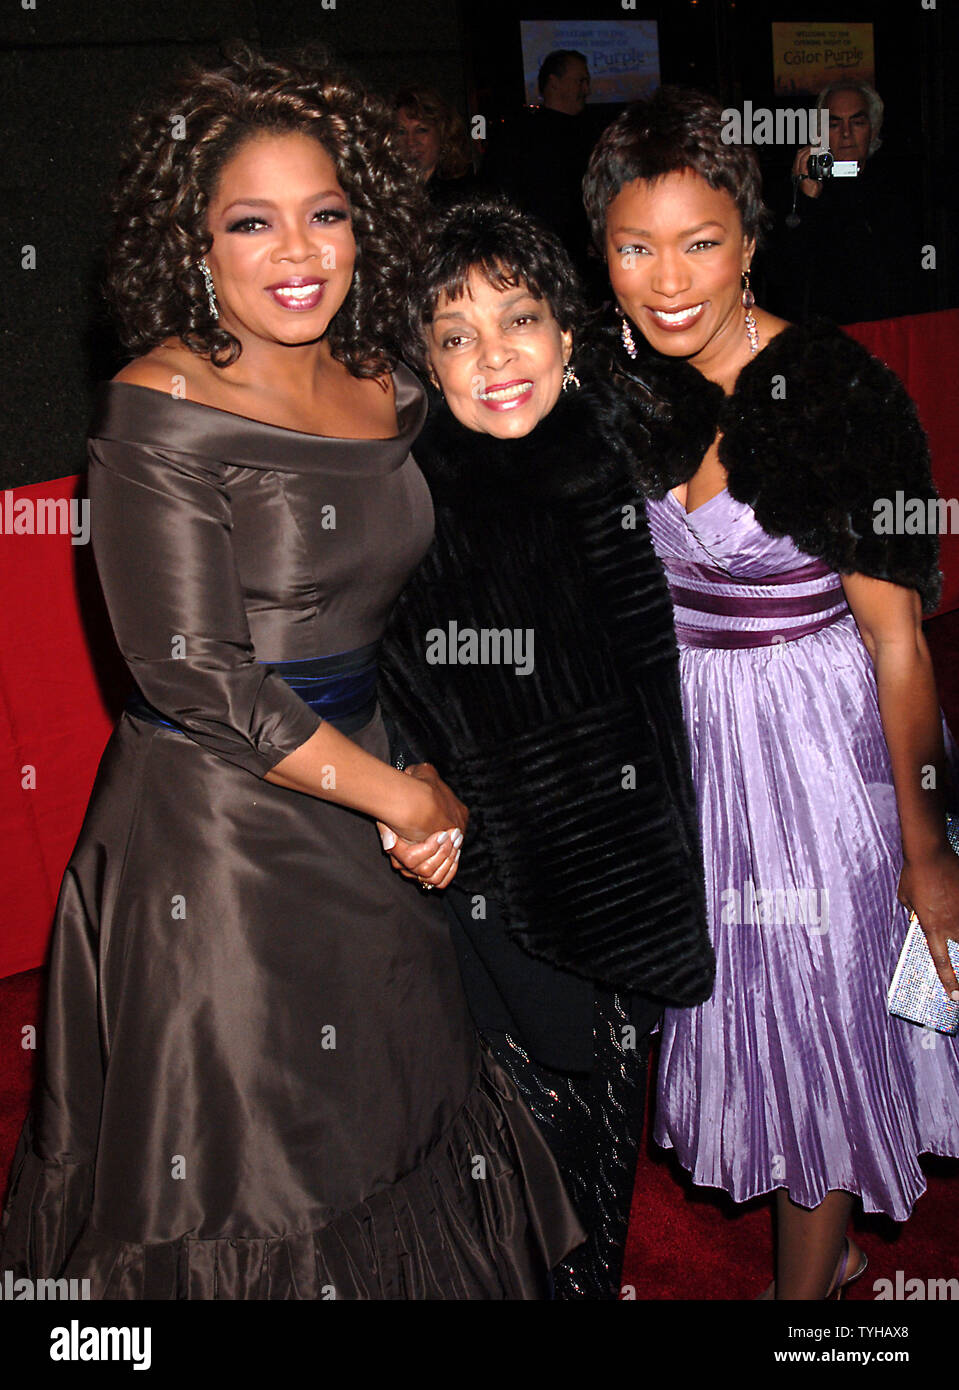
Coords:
pixel 746 600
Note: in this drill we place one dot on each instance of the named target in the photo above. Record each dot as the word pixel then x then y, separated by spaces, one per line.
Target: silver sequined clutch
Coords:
pixel 916 992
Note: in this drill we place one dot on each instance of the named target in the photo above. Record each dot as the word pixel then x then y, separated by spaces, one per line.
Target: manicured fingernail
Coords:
pixel 457 854
pixel 955 995
pixel 457 838
pixel 389 840
pixel 441 837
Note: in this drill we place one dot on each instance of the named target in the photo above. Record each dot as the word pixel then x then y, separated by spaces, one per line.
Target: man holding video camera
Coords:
pixel 855 119
pixel 850 246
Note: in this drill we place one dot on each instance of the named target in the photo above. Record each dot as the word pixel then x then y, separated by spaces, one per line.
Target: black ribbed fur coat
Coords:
pixel 583 822
pixel 816 431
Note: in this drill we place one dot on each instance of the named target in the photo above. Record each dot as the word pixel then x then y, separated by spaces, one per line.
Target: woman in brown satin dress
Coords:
pixel 260 1076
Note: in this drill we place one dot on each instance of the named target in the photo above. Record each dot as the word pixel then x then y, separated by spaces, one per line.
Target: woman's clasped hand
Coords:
pixel 432 861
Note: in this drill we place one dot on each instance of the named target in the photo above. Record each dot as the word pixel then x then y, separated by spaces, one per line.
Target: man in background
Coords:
pixel 564 81
pixel 538 157
pixel 849 247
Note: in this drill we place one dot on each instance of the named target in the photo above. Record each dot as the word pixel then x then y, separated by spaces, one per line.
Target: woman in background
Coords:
pixel 809 699
pixel 436 143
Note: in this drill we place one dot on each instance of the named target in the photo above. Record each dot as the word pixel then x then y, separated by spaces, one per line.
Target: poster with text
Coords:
pixel 623 54
pixel 807 56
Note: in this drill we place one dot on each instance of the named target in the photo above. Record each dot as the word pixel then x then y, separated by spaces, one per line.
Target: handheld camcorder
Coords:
pixel 821 165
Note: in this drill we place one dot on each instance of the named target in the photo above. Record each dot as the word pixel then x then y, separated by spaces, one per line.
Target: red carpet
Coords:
pixel 692 1242
pixel 683 1242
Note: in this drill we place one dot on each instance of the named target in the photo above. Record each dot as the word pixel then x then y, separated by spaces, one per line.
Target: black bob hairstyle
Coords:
pixel 507 248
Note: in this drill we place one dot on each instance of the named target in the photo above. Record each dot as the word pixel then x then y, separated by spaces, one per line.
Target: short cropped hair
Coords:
pixel 674 129
pixel 873 102
pixel 177 152
pixel 507 248
pixel 555 65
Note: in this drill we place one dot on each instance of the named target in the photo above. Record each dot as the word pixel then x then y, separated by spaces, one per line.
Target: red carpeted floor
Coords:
pixel 683 1242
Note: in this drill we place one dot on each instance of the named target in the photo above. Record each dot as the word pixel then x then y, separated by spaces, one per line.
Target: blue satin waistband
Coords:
pixel 340 688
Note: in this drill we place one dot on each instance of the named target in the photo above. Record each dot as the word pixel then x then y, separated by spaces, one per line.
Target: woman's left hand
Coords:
pixel 432 862
pixel 931 890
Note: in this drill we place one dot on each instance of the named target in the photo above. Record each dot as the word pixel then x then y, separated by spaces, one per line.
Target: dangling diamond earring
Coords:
pixel 210 291
pixel 749 299
pixel 570 378
pixel 626 333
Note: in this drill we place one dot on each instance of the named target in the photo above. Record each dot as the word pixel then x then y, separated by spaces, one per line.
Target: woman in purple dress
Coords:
pixel 809 698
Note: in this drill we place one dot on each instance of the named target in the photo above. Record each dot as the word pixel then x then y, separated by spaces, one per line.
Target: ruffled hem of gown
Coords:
pixel 810 1191
pixel 439 1232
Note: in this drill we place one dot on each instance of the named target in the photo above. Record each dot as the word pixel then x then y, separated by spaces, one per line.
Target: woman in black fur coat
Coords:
pixel 532 660
pixel 779 457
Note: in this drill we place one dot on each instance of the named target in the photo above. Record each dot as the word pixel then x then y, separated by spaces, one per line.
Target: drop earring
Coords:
pixel 210 291
pixel 749 299
pixel 626 333
pixel 570 378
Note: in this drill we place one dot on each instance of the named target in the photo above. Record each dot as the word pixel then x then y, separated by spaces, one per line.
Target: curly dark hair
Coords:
pixel 507 247
pixel 676 128
pixel 178 149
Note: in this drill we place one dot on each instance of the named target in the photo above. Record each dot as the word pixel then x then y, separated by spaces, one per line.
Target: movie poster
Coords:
pixel 808 55
pixel 623 55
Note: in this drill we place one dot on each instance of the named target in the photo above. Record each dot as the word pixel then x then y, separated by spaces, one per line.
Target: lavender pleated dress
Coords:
pixel 792 1074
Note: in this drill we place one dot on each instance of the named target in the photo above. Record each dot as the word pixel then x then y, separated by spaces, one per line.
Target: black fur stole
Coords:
pixel 816 432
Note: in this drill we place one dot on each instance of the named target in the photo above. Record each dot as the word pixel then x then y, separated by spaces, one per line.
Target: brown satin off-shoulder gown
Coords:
pixel 260 1079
